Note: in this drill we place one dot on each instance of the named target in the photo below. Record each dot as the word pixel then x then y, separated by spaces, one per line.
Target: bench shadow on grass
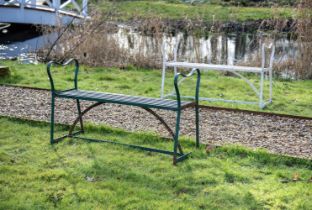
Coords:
pixel 112 168
pixel 260 156
pixel 72 182
pixel 126 170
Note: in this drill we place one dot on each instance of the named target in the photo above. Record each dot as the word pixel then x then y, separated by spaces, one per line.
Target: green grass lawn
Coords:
pixel 290 97
pixel 125 10
pixel 79 175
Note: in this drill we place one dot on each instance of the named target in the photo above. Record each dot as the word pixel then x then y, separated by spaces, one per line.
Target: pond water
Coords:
pixel 22 42
pixel 216 48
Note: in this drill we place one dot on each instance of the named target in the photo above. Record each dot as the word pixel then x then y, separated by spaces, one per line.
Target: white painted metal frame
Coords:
pixel 55 5
pixel 237 70
pixel 43 12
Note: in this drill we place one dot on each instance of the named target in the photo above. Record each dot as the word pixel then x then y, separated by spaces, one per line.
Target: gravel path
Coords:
pixel 277 134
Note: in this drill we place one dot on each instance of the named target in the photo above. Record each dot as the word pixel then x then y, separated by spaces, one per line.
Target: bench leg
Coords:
pixel 52 120
pixel 52 124
pixel 80 116
pixel 261 104
pixel 271 85
pixel 176 138
pixel 163 78
pixel 197 124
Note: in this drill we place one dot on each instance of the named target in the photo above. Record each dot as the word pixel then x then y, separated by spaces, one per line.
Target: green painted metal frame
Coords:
pixel 177 152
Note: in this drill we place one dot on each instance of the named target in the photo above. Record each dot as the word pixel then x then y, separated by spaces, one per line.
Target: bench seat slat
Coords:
pixel 122 99
pixel 204 66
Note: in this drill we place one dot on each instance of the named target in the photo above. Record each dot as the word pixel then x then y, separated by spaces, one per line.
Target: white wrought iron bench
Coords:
pixel 237 70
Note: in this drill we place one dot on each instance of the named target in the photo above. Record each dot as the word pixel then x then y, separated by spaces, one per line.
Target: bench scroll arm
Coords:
pixel 54 63
pixel 271 46
pixel 176 85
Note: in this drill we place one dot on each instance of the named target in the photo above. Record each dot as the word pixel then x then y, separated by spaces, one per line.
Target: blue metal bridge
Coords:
pixel 42 12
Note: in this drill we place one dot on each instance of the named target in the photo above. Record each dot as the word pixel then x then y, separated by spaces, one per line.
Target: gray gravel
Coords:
pixel 277 134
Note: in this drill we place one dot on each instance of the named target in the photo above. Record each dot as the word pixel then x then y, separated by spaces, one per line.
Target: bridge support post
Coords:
pixel 53 13
pixel 33 3
pixel 56 4
pixel 22 2
pixel 85 8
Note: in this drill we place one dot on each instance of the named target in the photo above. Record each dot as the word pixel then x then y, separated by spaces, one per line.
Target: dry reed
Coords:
pixel 303 62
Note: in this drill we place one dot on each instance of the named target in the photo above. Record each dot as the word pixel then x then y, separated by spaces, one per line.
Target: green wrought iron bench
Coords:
pixel 145 103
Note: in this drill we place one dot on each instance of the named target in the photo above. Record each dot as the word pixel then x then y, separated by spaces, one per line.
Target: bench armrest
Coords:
pixel 176 85
pixel 272 48
pixel 68 62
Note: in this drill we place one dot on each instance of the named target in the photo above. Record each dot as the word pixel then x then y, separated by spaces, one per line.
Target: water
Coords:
pixel 216 48
pixel 22 42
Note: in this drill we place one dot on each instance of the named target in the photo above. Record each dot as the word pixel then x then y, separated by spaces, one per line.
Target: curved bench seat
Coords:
pixel 123 99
